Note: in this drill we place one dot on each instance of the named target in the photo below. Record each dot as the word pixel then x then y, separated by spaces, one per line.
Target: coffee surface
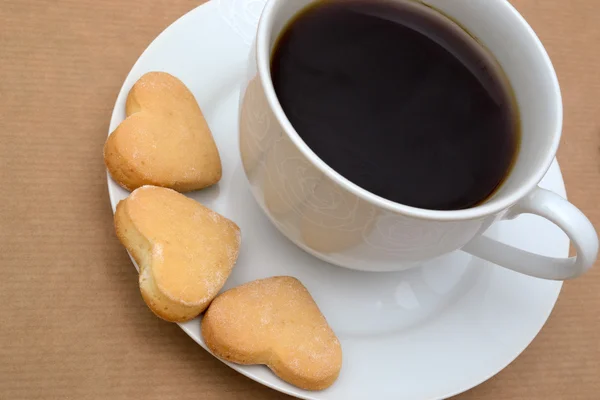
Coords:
pixel 399 100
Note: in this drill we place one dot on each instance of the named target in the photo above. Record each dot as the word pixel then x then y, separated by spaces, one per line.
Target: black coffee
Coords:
pixel 399 100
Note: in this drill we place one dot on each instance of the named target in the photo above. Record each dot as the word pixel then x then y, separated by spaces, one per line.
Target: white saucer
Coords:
pixel 424 334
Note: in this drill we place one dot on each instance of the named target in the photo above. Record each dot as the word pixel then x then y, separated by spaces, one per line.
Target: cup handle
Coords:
pixel 562 213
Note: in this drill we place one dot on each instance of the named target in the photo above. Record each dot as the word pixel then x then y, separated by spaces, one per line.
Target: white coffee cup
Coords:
pixel 339 222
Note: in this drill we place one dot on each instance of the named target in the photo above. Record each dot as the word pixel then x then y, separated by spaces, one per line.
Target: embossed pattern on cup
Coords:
pixel 321 216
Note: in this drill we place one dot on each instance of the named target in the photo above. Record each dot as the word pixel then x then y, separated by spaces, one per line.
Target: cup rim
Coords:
pixel 492 207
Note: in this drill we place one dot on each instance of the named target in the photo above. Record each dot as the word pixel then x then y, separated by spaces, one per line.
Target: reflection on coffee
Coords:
pixel 399 100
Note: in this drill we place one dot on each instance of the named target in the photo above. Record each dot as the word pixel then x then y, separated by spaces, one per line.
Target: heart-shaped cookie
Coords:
pixel 275 322
pixel 165 140
pixel 184 250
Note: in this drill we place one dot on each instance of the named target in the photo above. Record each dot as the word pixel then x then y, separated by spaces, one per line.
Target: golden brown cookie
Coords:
pixel 165 140
pixel 275 322
pixel 184 250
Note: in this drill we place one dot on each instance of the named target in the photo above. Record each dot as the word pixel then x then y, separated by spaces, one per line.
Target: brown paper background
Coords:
pixel 72 323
